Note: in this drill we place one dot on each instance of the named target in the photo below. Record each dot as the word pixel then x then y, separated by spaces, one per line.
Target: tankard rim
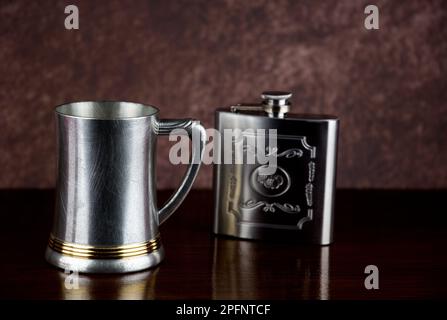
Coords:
pixel 91 110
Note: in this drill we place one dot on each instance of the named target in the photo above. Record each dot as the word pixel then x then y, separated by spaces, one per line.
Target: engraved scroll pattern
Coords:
pixel 309 187
pixel 270 207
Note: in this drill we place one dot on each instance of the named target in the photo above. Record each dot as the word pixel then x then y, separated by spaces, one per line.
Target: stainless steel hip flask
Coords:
pixel 296 202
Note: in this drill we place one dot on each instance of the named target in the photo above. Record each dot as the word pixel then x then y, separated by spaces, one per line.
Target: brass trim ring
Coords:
pixel 94 252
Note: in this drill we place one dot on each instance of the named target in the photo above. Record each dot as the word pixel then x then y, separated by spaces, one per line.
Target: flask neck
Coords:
pixel 275 104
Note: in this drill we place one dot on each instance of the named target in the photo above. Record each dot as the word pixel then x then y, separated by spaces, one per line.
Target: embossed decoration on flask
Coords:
pixel 290 154
pixel 272 185
pixel 297 199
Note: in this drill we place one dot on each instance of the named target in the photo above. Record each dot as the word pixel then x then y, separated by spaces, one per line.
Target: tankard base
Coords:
pixel 88 265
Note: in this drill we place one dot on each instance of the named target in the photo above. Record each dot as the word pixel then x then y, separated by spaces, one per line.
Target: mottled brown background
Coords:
pixel 388 87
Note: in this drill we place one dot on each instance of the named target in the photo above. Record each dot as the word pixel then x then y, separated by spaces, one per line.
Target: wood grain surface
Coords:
pixel 401 232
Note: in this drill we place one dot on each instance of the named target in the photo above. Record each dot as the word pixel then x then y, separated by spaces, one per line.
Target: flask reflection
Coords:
pixel 246 269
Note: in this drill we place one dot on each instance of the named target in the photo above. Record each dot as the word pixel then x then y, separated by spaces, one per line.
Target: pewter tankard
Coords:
pixel 106 217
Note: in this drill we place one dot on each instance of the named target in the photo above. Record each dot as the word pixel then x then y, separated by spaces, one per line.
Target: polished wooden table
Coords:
pixel 403 233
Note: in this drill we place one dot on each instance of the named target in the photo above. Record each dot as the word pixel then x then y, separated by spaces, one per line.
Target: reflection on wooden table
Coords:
pixel 132 286
pixel 239 272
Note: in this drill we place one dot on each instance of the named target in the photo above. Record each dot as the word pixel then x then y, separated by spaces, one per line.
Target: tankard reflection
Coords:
pixel 133 286
pixel 106 216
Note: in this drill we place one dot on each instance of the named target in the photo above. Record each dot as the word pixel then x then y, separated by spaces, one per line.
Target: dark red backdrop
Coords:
pixel 388 86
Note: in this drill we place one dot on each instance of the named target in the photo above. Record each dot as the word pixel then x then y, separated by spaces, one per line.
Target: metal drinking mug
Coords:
pixel 106 218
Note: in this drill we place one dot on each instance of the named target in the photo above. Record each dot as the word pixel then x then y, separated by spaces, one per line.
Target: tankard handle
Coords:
pixel 197 134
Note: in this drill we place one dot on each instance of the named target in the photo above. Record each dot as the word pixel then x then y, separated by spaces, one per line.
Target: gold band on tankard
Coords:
pixel 110 252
